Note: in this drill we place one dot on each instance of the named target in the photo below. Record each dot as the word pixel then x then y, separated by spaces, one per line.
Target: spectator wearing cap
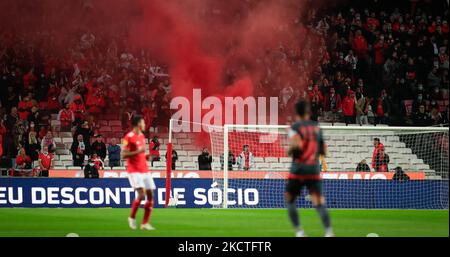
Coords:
pixel 99 147
pixel 114 153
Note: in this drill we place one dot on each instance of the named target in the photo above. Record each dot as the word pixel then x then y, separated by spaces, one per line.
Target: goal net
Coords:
pixel 258 165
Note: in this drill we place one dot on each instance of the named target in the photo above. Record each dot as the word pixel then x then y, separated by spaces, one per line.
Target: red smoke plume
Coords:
pixel 218 46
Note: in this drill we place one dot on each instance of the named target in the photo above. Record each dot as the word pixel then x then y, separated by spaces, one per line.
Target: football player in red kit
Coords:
pixel 138 174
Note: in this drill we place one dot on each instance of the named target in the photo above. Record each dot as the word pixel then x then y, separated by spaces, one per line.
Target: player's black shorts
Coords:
pixel 295 186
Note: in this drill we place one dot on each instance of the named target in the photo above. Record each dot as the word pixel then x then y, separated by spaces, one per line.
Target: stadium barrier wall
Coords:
pixel 416 175
pixel 202 193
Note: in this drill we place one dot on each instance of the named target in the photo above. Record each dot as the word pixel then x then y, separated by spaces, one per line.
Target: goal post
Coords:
pixel 422 153
pixel 256 179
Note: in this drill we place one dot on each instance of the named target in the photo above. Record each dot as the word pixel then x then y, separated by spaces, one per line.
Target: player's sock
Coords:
pixel 293 215
pixel 324 216
pixel 134 208
pixel 148 207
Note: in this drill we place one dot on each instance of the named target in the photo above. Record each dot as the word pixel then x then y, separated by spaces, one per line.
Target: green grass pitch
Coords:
pixel 220 222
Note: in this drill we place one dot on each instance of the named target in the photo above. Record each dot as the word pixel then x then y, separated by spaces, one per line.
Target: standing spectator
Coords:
pixel 99 147
pixel 23 161
pixel 204 160
pixel 231 160
pixel 362 167
pixel 114 153
pixel 45 162
pixel 332 105
pixel 2 134
pixel 316 100
pixel 78 150
pixel 52 96
pixel 351 61
pixel 381 161
pixel 78 109
pixel 174 159
pixel 24 108
pixel 48 141
pixel 11 119
pixel 66 118
pixel 348 108
pixel 377 146
pixel 361 109
pixel 246 159
pixel 380 108
pixel 154 150
pixel 32 146
pixel 87 133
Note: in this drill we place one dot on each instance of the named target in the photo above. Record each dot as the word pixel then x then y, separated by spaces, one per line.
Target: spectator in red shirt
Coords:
pixel 2 134
pixel 149 114
pixel 360 45
pixel 45 162
pixel 381 161
pixel 154 149
pixel 29 79
pixel 78 109
pixel 377 146
pixel 24 108
pixel 95 101
pixel 52 95
pixel 348 107
pixel 380 109
pixel 66 118
pixel 23 161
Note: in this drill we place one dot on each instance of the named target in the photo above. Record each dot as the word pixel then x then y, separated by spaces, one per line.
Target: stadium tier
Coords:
pixel 345 151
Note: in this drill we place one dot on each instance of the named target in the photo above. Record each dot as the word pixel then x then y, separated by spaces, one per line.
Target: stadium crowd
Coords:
pixel 377 65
